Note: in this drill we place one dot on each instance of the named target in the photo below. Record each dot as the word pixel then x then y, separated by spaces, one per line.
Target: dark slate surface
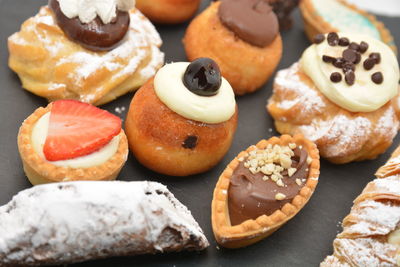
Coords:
pixel 303 241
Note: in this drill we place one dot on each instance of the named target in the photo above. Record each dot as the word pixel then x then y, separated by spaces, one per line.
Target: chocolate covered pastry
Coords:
pixel 79 221
pixel 262 188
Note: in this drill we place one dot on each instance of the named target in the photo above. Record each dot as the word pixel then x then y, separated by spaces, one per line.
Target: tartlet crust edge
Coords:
pixel 41 171
pixel 251 231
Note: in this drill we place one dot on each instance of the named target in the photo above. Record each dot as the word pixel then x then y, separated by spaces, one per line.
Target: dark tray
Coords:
pixel 303 241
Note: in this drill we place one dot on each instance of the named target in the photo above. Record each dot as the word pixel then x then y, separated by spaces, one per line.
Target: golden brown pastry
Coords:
pixel 246 55
pixel 323 16
pixel 69 141
pixel 168 11
pixel 262 188
pixel 350 115
pixel 176 131
pixel 371 232
pixel 53 65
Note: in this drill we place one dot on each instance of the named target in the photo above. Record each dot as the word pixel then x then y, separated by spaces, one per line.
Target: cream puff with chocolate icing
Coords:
pixel 183 121
pixel 93 51
pixel 168 11
pixel 69 140
pixel 262 188
pixel 242 36
pixel 343 95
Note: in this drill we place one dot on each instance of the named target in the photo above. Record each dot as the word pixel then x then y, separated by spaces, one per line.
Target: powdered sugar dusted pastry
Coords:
pixel 183 121
pixel 371 232
pixel 343 95
pixel 64 52
pixel 72 222
pixel 70 140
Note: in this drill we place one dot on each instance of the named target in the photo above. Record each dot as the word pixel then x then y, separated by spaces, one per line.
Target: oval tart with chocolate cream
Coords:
pixel 262 188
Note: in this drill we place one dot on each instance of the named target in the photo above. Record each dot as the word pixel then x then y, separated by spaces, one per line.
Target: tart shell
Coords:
pixel 246 67
pixel 40 171
pixel 315 24
pixel 252 231
pixel 156 135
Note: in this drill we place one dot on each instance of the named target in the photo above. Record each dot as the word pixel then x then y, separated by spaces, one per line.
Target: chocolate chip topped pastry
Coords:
pixel 324 16
pixel 92 51
pixel 262 188
pixel 78 221
pixel 342 95
pixel 250 29
pixel 183 121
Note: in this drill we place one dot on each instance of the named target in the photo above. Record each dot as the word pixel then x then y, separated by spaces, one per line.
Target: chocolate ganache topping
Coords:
pixel 95 35
pixel 251 20
pixel 255 191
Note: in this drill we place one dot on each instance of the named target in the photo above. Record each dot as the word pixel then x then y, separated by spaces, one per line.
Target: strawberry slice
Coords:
pixel 77 129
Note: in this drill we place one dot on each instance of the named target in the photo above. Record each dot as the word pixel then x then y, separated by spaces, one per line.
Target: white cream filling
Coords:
pixel 170 89
pixel 38 137
pixel 87 10
pixel 364 95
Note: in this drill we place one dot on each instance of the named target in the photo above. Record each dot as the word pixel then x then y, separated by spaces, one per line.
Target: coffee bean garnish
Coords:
pixel 369 63
pixel 319 38
pixel 363 47
pixel 349 55
pixel 328 59
pixel 333 38
pixel 344 41
pixel 377 77
pixel 190 142
pixel 336 77
pixel 376 57
pixel 354 46
pixel 350 77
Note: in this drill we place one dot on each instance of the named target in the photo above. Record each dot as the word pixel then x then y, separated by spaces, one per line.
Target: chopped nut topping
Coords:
pixel 272 161
pixel 291 171
pixel 298 181
pixel 280 183
pixel 280 196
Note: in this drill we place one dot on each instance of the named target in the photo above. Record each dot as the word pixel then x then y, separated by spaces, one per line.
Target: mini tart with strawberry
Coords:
pixel 262 188
pixel 182 122
pixel 69 140
pixel 242 36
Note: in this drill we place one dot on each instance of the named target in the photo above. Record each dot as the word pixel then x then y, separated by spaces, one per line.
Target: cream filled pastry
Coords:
pixel 342 95
pixel 362 79
pixel 183 121
pixel 69 140
pixel 93 51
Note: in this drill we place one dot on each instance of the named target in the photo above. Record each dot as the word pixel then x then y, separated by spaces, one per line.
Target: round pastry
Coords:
pixel 324 16
pixel 235 35
pixel 168 11
pixel 342 95
pixel 262 188
pixel 183 121
pixel 71 51
pixel 70 140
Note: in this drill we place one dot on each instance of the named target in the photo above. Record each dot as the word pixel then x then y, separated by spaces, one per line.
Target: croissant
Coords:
pixel 76 221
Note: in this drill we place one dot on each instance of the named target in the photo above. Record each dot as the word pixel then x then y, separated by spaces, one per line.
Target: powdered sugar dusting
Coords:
pixel 341 130
pixel 290 81
pixel 76 221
